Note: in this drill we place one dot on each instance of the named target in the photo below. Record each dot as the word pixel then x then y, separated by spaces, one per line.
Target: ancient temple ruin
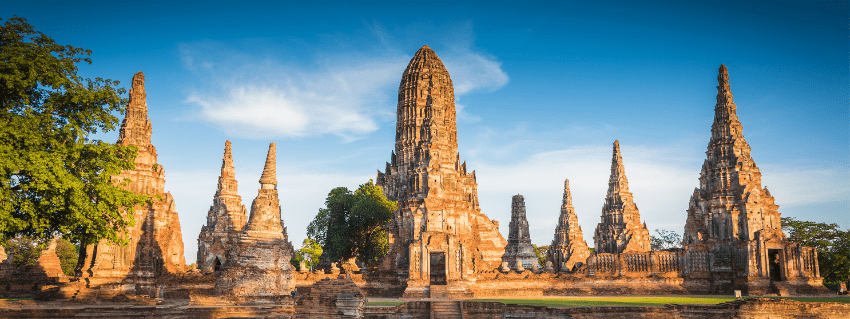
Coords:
pixel 733 232
pixel 620 229
pixel 155 242
pixel 519 254
pixel 257 262
pixel 225 219
pixel 568 249
pixel 438 235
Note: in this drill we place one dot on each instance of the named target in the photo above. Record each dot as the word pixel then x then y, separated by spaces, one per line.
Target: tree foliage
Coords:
pixel 541 254
pixel 24 250
pixel 53 178
pixel 309 254
pixel 352 223
pixel 831 242
pixel 666 239
pixel 68 254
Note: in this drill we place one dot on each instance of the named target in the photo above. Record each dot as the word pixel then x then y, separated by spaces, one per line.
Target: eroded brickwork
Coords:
pixel 155 242
pixel 620 230
pixel 733 233
pixel 519 254
pixel 568 249
pixel 257 263
pixel 438 218
pixel 225 219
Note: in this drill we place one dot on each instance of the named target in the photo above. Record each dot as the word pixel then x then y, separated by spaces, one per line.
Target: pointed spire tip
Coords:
pixel 269 171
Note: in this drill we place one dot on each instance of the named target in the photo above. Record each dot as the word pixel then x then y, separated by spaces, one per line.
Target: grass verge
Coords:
pixel 641 301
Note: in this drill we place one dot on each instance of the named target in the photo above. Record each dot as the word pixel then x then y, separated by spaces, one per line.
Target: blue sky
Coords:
pixel 543 90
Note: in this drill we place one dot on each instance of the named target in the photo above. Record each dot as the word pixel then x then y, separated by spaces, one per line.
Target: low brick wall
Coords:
pixel 749 308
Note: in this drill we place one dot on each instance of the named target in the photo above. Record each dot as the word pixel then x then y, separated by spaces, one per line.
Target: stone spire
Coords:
pixel 265 210
pixel 436 194
pixel 257 264
pixel 156 241
pixel 269 177
pixel 136 127
pixel 620 229
pixel 519 251
pixel 730 202
pixel 225 219
pixel 568 248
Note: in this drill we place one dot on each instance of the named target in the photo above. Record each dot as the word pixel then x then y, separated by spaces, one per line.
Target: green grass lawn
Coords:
pixel 638 301
pixel 624 301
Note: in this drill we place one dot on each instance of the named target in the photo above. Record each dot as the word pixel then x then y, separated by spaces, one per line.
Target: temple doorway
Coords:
pixel 438 268
pixel 773 262
pixel 217 264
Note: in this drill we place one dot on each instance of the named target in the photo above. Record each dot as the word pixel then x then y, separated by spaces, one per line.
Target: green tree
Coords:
pixel 53 178
pixel 541 254
pixel 68 254
pixel 309 253
pixel 24 250
pixel 666 239
pixel 832 244
pixel 352 224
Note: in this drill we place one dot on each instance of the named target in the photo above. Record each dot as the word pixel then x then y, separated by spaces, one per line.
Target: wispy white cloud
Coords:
pixel 348 93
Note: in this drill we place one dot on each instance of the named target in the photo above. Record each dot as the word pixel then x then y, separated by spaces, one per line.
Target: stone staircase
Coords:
pixel 438 292
pixel 446 310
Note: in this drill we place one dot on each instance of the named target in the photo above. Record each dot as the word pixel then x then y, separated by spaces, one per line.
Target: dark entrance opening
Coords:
pixel 217 264
pixel 773 263
pixel 438 268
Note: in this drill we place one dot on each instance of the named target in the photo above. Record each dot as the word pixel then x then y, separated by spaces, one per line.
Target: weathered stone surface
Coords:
pixel 568 248
pixel 519 254
pixel 257 263
pixel 730 202
pixel 620 229
pixel 438 218
pixel 225 219
pixel 733 233
pixel 6 266
pixel 330 298
pixel 155 242
pixel 48 262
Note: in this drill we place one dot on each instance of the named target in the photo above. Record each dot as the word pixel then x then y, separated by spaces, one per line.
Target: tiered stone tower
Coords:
pixel 438 235
pixel 257 264
pixel 733 223
pixel 568 248
pixel 519 254
pixel 225 219
pixel 620 230
pixel 155 242
pixel 730 202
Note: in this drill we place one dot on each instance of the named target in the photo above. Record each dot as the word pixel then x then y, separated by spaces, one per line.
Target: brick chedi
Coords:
pixel 257 263
pixel 620 230
pixel 733 222
pixel 519 251
pixel 155 242
pixel 438 234
pixel 568 248
pixel 225 219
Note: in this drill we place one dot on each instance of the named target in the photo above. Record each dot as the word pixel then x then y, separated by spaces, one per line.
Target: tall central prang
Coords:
pixel 438 235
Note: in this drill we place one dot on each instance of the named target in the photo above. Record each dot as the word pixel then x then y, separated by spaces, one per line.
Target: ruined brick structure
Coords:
pixel 620 230
pixel 519 254
pixel 568 249
pixel 225 219
pixel 438 235
pixel 733 234
pixel 257 263
pixel 155 242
